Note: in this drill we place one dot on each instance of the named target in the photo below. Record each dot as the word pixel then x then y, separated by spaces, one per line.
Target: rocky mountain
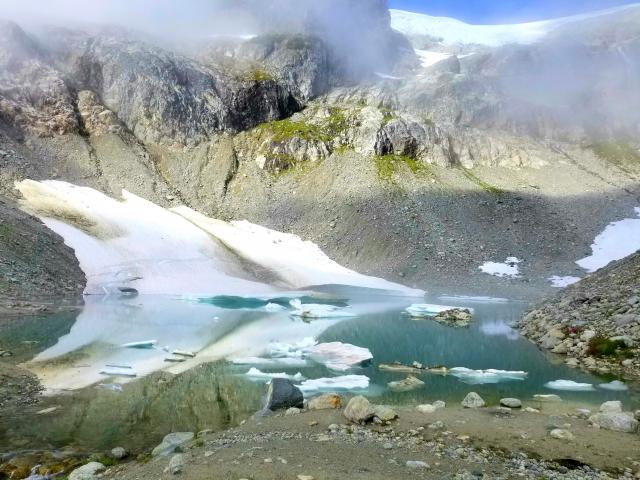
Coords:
pixel 343 131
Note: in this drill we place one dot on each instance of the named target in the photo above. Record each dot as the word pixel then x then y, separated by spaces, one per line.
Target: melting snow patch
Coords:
pixel 617 241
pixel 562 282
pixel 386 76
pixel 331 384
pixel 508 269
pixel 569 386
pixel 616 386
pixel 256 374
pixel 478 377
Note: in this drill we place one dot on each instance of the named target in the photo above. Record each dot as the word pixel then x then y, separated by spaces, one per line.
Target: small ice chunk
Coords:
pixel 331 384
pixel 569 386
pixel 422 310
pixel 183 353
pixel 616 386
pixel 561 282
pixel 291 350
pixel 143 344
pixel 256 374
pixel 316 310
pixel 479 377
pixel 274 307
pixel 338 356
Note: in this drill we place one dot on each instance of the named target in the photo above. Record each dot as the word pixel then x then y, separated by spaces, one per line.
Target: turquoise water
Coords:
pixel 208 393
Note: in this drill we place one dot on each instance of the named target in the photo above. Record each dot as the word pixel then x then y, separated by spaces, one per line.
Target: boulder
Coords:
pixel 456 317
pixel 473 400
pixel 172 441
pixel 616 421
pixel 118 453
pixel 176 464
pixel 283 394
pixel 384 413
pixel 612 406
pixel 426 408
pixel 89 471
pixel 511 403
pixel 561 434
pixel 359 410
pixel 325 402
pixel 439 404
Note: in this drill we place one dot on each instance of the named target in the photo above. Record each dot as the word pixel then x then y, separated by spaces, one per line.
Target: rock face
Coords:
pixel 359 410
pixel 578 323
pixel 473 400
pixel 283 394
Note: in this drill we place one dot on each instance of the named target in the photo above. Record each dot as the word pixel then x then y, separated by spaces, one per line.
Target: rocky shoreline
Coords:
pixel 595 323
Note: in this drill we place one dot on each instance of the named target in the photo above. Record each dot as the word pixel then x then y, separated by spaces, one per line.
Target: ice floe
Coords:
pixel 615 386
pixel 562 282
pixel 331 384
pixel 508 269
pixel 617 241
pixel 423 310
pixel 479 377
pixel 569 386
pixel 317 310
pixel 256 374
pixel 339 356
pixel 135 244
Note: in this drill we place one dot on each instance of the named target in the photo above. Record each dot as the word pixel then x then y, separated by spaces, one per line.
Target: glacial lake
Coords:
pixel 88 410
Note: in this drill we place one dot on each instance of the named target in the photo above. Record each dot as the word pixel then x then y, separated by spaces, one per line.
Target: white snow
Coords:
pixel 569 386
pixel 617 241
pixel 331 384
pixel 386 76
pixel 429 58
pixel 615 386
pixel 255 374
pixel 479 377
pixel 136 244
pixel 562 282
pixel 508 269
pixel 423 310
pixel 451 31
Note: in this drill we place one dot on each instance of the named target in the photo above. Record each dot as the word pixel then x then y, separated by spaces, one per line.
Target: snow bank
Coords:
pixel 479 377
pixel 562 282
pixel 617 241
pixel 429 58
pixel 335 384
pixel 569 386
pixel 508 269
pixel 133 243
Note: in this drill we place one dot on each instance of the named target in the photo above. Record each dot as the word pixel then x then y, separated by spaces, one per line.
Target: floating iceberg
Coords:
pixel 317 310
pixel 332 384
pixel 479 377
pixel 569 386
pixel 291 350
pixel 424 310
pixel 256 374
pixel 134 244
pixel 338 356
pixel 616 386
pixel 145 344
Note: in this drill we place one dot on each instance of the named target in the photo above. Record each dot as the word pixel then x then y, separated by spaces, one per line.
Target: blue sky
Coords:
pixel 503 11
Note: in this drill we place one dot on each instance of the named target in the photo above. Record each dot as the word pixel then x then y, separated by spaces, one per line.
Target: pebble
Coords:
pixel 292 411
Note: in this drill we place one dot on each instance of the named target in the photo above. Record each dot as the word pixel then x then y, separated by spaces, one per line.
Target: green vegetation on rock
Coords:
pixel 487 187
pixel 389 165
pixel 324 131
pixel 601 346
pixel 617 152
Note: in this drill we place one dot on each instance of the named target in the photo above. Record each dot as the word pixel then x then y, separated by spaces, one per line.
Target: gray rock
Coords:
pixel 176 464
pixel 616 421
pixel 292 411
pixel 438 425
pixel 612 406
pixel 511 402
pixel 406 385
pixel 561 434
pixel 473 400
pixel 426 408
pixel 359 410
pixel 385 413
pixel 325 402
pixel 172 441
pixel 283 393
pixel 118 453
pixel 89 471
pixel 417 465
pixel 438 404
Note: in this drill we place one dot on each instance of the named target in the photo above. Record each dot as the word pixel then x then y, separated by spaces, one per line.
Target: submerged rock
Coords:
pixel 408 384
pixel 89 471
pixel 473 400
pixel 171 442
pixel 283 394
pixel 118 453
pixel 359 410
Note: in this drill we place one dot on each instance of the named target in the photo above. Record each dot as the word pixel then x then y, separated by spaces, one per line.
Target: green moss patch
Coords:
pixel 601 346
pixel 388 165
pixel 619 153
pixel 487 187
pixel 324 131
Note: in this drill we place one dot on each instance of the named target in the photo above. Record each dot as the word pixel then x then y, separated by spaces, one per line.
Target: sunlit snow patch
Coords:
pixel 562 282
pixel 255 374
pixel 428 58
pixel 617 241
pixel 479 377
pixel 615 386
pixel 336 384
pixel 508 269
pixel 569 386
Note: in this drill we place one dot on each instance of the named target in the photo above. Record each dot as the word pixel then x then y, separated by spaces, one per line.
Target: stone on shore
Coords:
pixel 511 403
pixel 616 421
pixel 547 398
pixel 325 402
pixel 283 394
pixel 417 465
pixel 384 413
pixel 359 410
pixel 89 471
pixel 176 464
pixel 612 406
pixel 171 442
pixel 426 408
pixel 561 434
pixel 118 453
pixel 473 400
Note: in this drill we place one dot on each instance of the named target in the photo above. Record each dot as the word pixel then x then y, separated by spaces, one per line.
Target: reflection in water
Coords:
pixel 197 394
